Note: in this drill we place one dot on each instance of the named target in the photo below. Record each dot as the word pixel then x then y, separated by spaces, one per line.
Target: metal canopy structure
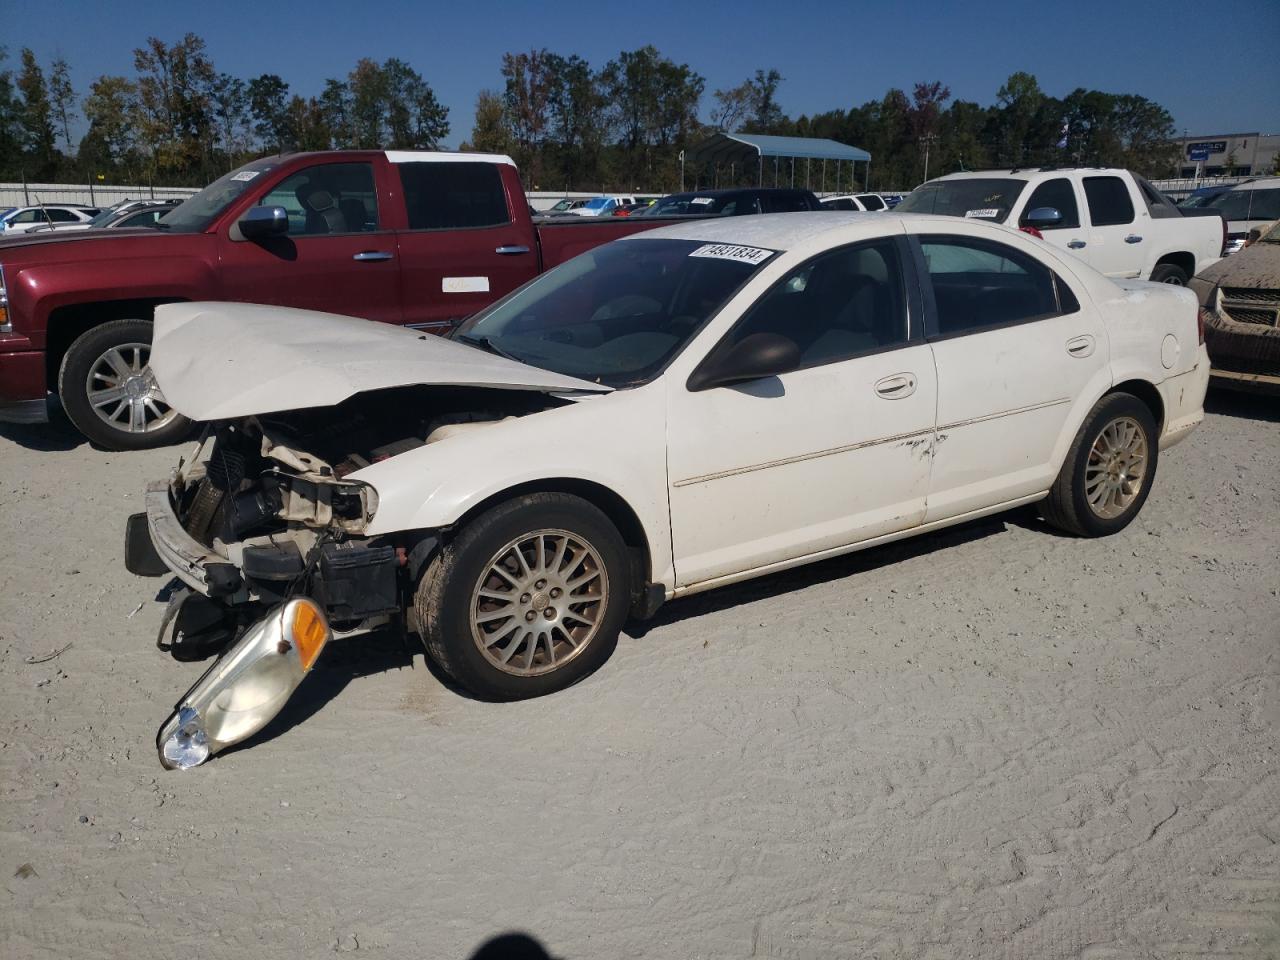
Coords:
pixel 742 151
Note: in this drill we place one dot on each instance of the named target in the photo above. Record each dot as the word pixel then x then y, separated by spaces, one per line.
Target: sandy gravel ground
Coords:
pixel 992 742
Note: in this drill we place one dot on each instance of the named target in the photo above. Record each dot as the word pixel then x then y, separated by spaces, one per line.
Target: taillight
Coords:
pixel 1200 322
pixel 1224 245
pixel 1033 231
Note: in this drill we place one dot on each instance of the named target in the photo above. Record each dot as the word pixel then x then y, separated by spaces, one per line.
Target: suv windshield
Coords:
pixel 616 314
pixel 980 198
pixel 195 213
pixel 1248 204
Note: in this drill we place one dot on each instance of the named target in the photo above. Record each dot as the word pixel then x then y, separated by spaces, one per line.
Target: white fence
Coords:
pixel 88 194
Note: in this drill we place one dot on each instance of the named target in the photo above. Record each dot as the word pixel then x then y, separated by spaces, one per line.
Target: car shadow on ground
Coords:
pixel 837 568
pixel 1242 404
pixel 56 435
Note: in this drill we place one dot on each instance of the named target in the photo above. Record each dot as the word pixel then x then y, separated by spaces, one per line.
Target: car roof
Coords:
pixel 1021 173
pixel 1264 183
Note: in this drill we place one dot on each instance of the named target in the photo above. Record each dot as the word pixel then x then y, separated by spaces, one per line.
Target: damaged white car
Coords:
pixel 662 415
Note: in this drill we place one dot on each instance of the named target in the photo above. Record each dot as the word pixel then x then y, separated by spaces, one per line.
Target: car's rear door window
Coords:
pixel 1059 194
pixel 455 196
pixel 979 284
pixel 1109 202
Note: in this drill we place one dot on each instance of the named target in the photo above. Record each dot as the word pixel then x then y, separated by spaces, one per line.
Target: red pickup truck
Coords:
pixel 413 238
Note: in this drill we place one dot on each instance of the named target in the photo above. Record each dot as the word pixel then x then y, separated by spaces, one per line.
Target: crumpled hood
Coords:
pixel 220 361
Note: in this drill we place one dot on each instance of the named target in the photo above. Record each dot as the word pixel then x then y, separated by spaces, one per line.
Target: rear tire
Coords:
pixel 1168 273
pixel 527 599
pixel 109 394
pixel 1108 471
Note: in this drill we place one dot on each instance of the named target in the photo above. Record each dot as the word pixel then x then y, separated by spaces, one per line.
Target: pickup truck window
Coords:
pixel 327 198
pixel 453 196
pixel 1109 203
pixel 1059 194
pixel 617 313
pixel 195 213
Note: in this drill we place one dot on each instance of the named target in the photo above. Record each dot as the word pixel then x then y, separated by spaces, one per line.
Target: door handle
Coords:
pixel 511 249
pixel 1076 245
pixel 365 255
pixel 1080 347
pixel 1133 238
pixel 896 386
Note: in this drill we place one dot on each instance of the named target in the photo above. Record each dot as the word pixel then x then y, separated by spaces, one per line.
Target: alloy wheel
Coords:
pixel 123 392
pixel 1117 468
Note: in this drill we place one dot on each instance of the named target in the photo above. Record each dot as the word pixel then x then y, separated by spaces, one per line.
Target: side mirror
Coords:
pixel 751 358
pixel 1042 218
pixel 262 222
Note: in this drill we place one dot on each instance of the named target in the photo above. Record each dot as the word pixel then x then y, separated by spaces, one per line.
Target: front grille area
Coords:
pixel 1251 295
pixel 1265 318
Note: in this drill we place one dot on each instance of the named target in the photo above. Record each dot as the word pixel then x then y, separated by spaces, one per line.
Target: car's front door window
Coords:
pixel 327 198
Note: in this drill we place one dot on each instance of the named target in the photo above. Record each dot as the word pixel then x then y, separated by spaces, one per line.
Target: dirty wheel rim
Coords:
pixel 1117 468
pixel 1175 280
pixel 539 602
pixel 123 393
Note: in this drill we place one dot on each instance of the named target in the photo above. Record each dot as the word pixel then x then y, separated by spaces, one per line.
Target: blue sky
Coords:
pixel 1213 68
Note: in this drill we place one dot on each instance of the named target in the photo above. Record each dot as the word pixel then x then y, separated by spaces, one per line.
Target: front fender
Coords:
pixel 616 441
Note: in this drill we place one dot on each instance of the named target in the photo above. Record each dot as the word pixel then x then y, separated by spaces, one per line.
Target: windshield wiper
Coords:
pixel 486 343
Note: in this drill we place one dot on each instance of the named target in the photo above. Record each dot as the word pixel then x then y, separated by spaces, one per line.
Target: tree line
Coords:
pixel 177 120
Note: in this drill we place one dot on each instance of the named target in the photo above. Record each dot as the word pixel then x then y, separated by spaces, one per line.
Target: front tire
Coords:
pixel 528 599
pixel 109 393
pixel 1109 469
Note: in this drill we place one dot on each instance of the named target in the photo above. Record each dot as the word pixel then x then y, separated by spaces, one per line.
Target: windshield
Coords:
pixel 105 215
pixel 1248 204
pixel 616 314
pixel 195 213
pixel 980 198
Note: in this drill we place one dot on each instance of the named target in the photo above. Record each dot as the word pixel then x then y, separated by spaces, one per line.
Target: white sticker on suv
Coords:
pixel 730 251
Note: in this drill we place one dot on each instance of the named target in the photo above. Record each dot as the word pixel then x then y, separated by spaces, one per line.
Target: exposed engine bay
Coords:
pixel 270 495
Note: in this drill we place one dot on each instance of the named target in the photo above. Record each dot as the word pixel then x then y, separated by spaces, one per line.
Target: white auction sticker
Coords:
pixel 464 285
pixel 730 251
pixel 702 201
pixel 984 212
pixel 245 175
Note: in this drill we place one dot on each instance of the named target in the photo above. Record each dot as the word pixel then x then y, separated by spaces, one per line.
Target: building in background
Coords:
pixel 1228 154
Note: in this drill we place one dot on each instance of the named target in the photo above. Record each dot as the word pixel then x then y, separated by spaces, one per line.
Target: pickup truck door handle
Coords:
pixel 511 249
pixel 373 255
pixel 897 386
pixel 1076 245
pixel 1080 347
pixel 1133 238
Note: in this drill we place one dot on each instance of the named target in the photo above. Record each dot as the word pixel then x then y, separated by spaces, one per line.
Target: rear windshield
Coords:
pixel 1248 204
pixel 681 204
pixel 979 198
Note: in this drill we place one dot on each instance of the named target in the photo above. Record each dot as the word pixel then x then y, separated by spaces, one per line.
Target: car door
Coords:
pixel 462 249
pixel 831 453
pixel 1015 348
pixel 337 256
pixel 1117 230
pixel 1059 193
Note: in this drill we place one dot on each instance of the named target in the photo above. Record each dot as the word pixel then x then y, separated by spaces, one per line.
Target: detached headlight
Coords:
pixel 247 686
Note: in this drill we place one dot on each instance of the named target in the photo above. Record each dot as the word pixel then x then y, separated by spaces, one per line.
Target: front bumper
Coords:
pixel 191 561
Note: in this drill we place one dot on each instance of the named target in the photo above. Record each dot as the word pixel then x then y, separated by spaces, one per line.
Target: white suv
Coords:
pixel 1112 219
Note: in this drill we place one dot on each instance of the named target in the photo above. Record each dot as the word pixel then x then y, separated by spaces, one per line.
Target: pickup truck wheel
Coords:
pixel 528 599
pixel 1168 273
pixel 1108 471
pixel 109 393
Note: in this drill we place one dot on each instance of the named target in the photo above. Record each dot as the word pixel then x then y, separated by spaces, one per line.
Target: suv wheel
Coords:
pixel 110 394
pixel 1168 273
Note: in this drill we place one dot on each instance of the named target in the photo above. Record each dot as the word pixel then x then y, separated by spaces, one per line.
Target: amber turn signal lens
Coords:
pixel 309 632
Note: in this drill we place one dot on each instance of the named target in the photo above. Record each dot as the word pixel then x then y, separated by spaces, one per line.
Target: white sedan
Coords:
pixel 678 410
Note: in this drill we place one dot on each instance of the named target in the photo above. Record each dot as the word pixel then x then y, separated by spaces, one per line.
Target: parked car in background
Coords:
pixel 1240 309
pixel 736 202
pixel 628 209
pixel 1114 220
pixel 565 206
pixel 406 237
pixel 131 213
pixel 602 206
pixel 663 415
pixel 854 202
pixel 57 216
pixel 1247 206
pixel 1202 195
